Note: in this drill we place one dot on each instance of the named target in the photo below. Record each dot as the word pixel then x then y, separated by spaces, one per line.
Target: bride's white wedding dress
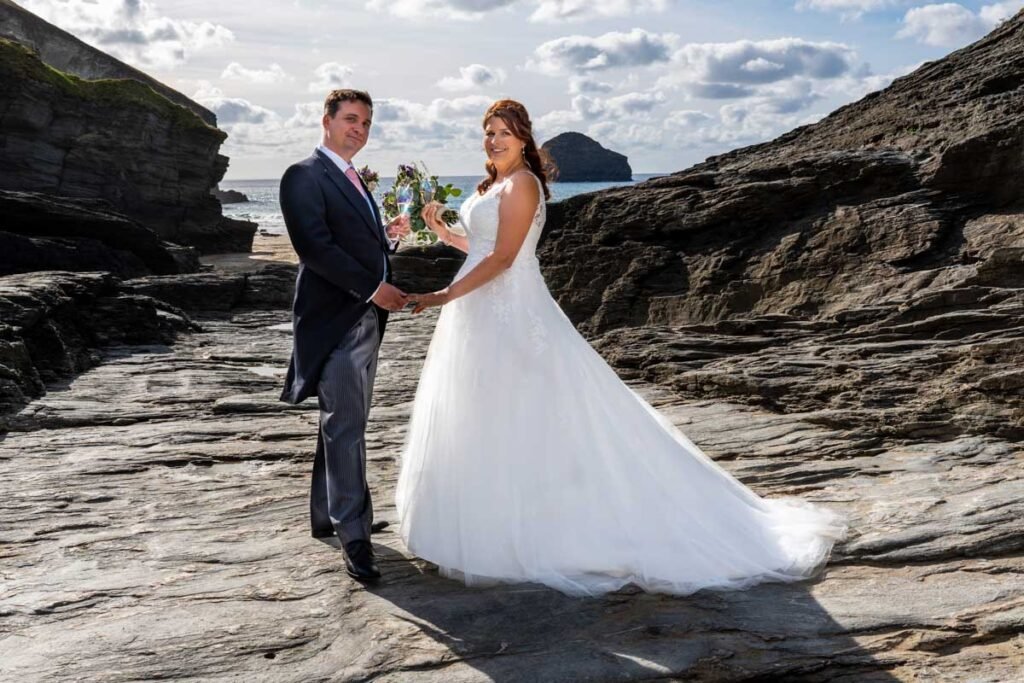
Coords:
pixel 528 459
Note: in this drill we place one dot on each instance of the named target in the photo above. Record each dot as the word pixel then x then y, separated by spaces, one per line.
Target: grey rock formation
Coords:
pixel 155 511
pixel 47 232
pixel 54 325
pixel 271 286
pixel 872 260
pixel 426 269
pixel 582 159
pixel 116 140
pixel 63 51
pixel 229 196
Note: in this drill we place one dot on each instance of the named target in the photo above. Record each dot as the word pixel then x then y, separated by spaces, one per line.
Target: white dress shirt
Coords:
pixel 344 166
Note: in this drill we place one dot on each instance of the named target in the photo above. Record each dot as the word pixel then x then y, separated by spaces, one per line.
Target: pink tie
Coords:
pixel 351 174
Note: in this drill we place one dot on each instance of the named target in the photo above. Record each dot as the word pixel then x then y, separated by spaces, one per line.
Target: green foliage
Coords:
pixel 424 189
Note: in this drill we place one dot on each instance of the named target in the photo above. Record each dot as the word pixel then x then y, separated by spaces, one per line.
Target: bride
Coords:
pixel 527 459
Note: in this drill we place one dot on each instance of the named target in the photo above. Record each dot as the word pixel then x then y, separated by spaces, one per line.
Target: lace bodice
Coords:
pixel 479 218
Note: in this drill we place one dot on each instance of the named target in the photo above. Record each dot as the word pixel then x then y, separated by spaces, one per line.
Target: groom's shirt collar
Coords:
pixel 344 166
pixel 338 161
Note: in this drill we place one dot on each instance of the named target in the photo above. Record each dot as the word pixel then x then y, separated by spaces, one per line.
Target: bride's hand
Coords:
pixel 431 215
pixel 425 301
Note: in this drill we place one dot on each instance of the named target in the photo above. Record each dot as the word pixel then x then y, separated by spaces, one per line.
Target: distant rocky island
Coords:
pixel 581 159
pixel 229 196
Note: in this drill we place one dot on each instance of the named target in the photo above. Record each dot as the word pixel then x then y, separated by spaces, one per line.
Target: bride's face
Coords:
pixel 502 147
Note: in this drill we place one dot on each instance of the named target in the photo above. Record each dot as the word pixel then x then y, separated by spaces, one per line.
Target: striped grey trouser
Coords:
pixel 339 496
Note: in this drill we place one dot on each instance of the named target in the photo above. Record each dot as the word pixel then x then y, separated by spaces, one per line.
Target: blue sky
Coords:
pixel 666 82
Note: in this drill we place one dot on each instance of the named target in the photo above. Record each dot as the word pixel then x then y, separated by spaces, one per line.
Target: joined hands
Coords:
pixel 422 302
pixel 390 298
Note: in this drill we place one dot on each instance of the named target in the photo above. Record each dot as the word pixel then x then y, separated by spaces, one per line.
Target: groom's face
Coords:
pixel 348 130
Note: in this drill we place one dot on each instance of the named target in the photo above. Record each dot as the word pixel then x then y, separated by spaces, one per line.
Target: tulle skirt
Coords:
pixel 528 459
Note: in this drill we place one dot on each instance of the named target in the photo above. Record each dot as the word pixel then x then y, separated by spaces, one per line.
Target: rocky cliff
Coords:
pixel 871 264
pixel 116 140
pixel 581 159
pixel 63 51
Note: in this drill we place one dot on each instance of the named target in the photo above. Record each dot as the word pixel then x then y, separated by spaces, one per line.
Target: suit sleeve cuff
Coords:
pixel 375 292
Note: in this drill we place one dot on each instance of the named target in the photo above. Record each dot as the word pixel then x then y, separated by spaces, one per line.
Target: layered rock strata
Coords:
pixel 48 232
pixel 869 267
pixel 116 140
pixel 156 513
pixel 63 51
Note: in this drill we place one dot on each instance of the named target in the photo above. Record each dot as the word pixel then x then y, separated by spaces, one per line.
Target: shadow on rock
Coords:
pixel 508 632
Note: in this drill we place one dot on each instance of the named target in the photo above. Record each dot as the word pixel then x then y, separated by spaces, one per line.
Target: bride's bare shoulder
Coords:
pixel 522 186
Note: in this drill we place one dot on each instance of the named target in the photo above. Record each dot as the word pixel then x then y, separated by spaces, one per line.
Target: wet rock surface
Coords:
pixel 155 526
pixel 54 325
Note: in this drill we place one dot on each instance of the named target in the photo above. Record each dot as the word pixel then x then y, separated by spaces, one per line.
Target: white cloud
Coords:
pixel 1000 11
pixel 231 110
pixel 307 115
pixel 273 74
pixel 330 76
pixel 953 25
pixel 944 25
pixel 687 119
pixel 852 87
pixel 439 10
pixel 627 109
pixel 442 123
pixel 543 10
pixel 746 62
pixel 583 10
pixel 471 77
pixel 746 68
pixel 847 9
pixel 580 54
pixel 584 85
pixel 132 30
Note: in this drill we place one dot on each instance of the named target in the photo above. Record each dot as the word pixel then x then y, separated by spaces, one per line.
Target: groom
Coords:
pixel 342 299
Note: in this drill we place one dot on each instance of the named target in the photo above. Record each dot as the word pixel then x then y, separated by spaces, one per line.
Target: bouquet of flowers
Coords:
pixel 414 188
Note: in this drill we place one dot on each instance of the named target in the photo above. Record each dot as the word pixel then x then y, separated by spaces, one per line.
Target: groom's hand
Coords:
pixel 390 298
pixel 398 227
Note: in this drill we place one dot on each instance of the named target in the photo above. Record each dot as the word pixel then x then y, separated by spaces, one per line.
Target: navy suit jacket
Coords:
pixel 342 248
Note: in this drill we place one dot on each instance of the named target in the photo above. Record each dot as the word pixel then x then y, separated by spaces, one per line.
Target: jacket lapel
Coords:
pixel 378 220
pixel 346 188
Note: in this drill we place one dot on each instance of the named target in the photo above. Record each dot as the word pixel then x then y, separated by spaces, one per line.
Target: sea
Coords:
pixel 264 210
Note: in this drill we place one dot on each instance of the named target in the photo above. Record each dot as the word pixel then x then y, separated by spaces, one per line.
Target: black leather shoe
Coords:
pixel 359 561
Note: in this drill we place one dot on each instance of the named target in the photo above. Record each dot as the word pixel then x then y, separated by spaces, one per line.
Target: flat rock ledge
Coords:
pixel 154 527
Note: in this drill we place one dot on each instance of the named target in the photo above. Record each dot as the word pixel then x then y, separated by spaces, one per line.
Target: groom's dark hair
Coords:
pixel 336 97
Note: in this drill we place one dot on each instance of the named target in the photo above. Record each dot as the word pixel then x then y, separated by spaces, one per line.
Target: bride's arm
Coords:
pixel 458 241
pixel 518 206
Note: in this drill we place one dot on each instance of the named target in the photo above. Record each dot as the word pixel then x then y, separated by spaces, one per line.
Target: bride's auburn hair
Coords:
pixel 518 121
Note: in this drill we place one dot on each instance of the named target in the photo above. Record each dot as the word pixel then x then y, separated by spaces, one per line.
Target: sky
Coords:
pixel 665 82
